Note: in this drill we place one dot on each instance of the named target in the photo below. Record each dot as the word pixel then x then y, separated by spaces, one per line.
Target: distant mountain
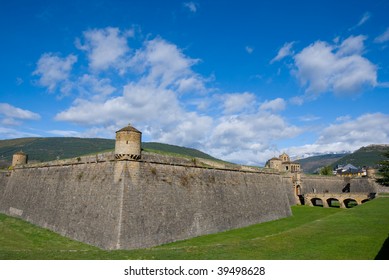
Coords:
pixel 311 164
pixel 366 156
pixel 51 148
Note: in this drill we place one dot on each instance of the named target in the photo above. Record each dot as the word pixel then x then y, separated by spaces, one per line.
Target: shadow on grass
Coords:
pixel 383 254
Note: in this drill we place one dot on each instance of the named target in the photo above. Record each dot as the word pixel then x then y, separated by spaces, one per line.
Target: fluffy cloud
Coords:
pixel 274 105
pixel 155 88
pixel 89 85
pixel 191 6
pixel 348 135
pixel 250 134
pixel 342 69
pixel 10 133
pixel 104 47
pixel 285 51
pixel 237 102
pixel 152 100
pixel 17 113
pixel 164 73
pixel 364 130
pixel 54 70
pixel 384 37
pixel 158 101
pixel 12 115
pixel 163 65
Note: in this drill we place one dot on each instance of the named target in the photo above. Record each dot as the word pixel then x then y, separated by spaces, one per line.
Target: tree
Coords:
pixel 383 171
pixel 327 170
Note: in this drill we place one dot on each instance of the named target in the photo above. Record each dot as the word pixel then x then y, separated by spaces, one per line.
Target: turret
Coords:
pixel 19 158
pixel 128 143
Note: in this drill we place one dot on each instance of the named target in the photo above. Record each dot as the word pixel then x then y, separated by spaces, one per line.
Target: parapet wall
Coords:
pixel 136 204
pixel 335 184
pixel 177 202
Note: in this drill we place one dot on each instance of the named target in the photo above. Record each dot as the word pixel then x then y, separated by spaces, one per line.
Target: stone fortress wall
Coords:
pixel 335 184
pixel 132 203
pixel 127 200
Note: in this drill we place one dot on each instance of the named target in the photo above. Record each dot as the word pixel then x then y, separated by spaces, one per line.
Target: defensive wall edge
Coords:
pixel 136 204
pixel 335 184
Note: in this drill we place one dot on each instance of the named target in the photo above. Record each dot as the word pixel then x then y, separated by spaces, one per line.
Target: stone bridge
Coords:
pixel 342 200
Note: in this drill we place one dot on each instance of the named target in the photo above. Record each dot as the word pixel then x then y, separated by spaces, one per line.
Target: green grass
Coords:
pixel 311 233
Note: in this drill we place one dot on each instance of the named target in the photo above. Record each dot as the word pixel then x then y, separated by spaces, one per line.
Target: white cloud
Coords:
pixel 249 49
pixel 158 101
pixel 89 85
pixel 11 133
pixel 274 105
pixel 249 137
pixel 11 116
pixel 162 64
pixel 12 112
pixel 105 47
pixel 164 73
pixel 349 135
pixel 309 118
pixel 343 118
pixel 147 101
pixel 366 16
pixel 353 45
pixel 237 102
pixel 323 67
pixel 285 51
pixel 297 100
pixel 53 69
pixel 364 130
pixel 384 37
pixel 191 6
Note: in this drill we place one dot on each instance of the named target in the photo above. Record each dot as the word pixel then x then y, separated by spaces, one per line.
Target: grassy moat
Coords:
pixel 312 233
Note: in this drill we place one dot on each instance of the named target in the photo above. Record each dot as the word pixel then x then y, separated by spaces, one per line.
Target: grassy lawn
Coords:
pixel 311 233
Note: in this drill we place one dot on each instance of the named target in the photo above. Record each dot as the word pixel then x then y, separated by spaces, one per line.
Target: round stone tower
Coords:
pixel 128 143
pixel 19 158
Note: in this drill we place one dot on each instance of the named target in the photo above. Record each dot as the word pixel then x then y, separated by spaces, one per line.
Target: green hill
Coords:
pixel 51 148
pixel 366 156
pixel 311 164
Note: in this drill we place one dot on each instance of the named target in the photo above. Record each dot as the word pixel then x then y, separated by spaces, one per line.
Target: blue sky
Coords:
pixel 241 80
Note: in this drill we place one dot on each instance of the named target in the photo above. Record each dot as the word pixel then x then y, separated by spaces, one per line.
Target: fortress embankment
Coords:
pixel 126 200
pixel 131 199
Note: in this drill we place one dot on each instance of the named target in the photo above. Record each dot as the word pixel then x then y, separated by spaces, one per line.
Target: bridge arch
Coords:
pixel 317 202
pixel 350 202
pixel 333 202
